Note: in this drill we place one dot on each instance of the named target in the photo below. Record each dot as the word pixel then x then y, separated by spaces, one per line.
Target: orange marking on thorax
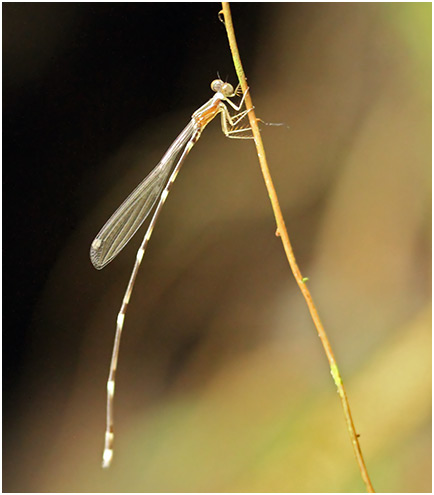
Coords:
pixel 207 112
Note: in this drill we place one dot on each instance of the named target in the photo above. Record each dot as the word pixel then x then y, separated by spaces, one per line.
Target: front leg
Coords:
pixel 232 104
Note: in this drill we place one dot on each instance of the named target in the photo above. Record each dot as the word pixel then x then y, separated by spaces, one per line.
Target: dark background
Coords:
pixel 78 79
pixel 222 383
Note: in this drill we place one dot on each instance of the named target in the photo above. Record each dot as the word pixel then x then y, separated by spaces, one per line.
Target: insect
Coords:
pixel 128 218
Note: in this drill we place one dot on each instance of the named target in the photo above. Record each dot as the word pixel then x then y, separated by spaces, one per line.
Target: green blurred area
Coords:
pixel 414 24
pixel 252 406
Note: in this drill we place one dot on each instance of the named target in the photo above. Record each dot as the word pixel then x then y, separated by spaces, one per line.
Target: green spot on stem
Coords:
pixel 336 375
pixel 305 279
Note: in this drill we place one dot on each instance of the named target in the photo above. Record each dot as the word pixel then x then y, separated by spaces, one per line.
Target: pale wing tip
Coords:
pixel 95 254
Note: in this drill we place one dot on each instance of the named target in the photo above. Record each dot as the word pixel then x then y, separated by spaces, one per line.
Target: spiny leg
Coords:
pixel 231 133
pixel 234 119
pixel 238 91
pixel 228 123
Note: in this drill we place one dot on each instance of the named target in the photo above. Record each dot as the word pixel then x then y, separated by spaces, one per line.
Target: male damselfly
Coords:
pixel 128 218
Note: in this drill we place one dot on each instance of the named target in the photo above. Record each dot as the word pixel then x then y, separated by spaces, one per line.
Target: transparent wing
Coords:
pixel 128 218
pixel 125 221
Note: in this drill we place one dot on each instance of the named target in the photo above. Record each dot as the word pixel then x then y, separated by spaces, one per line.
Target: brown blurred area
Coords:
pixel 222 383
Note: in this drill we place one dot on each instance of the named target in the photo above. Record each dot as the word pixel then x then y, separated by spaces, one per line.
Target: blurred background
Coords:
pixel 222 383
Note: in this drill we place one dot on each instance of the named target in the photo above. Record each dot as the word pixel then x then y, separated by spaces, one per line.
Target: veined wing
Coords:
pixel 128 218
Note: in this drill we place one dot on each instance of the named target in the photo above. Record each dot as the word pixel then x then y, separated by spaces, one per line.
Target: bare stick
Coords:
pixel 283 234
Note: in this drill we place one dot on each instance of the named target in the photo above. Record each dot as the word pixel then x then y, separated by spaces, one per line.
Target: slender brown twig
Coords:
pixel 283 234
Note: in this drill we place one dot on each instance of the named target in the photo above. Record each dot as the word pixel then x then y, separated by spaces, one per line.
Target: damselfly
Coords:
pixel 128 218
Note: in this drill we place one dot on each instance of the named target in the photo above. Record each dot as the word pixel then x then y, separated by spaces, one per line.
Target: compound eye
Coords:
pixel 217 85
pixel 227 89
